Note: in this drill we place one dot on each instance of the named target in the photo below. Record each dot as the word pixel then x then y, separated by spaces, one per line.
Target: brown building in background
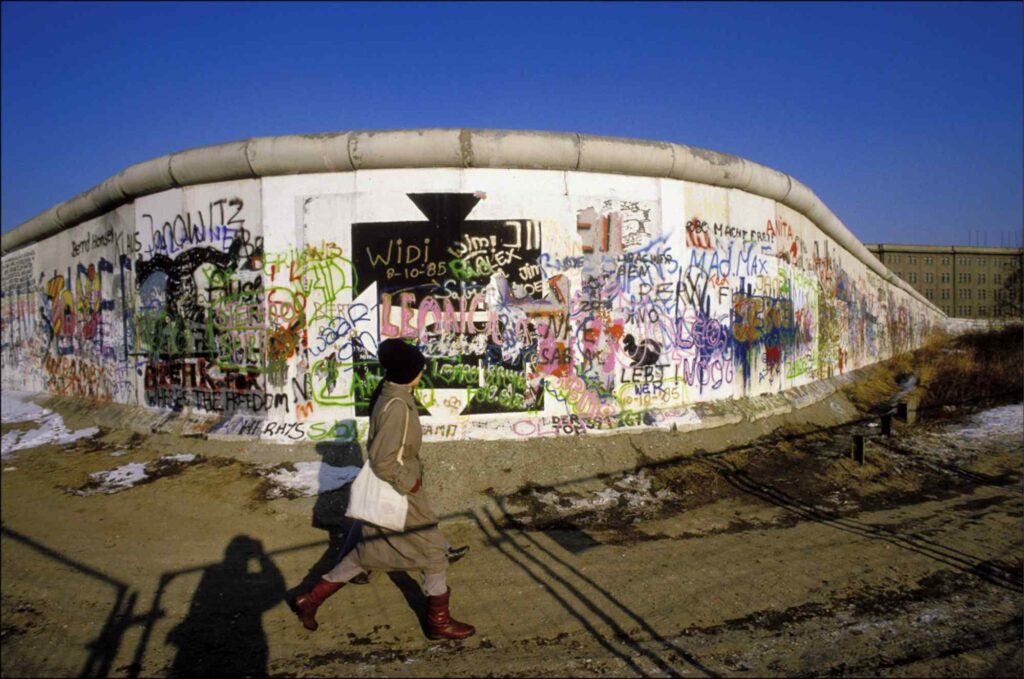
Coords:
pixel 963 281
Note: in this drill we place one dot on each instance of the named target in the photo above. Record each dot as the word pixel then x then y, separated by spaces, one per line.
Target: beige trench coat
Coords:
pixel 421 545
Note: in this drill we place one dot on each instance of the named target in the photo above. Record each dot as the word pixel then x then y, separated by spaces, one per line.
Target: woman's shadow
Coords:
pixel 329 511
pixel 223 631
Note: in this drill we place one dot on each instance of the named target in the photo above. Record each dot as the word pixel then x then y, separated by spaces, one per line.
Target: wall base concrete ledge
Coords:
pixel 187 423
pixel 464 472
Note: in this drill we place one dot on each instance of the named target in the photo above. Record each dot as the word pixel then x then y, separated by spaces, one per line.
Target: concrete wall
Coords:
pixel 550 302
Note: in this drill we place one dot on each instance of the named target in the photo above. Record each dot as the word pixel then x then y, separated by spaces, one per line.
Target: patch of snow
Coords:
pixel 1007 418
pixel 15 406
pixel 635 488
pixel 979 434
pixel 118 453
pixel 311 478
pixel 51 430
pixel 1002 422
pixel 126 476
pixel 607 496
pixel 865 626
pixel 547 498
pixel 114 480
pixel 601 498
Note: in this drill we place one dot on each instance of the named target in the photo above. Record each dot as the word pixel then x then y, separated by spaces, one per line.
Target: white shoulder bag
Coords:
pixel 374 500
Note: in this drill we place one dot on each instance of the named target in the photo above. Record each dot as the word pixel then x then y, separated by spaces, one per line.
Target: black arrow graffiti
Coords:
pixel 447 250
pixel 449 255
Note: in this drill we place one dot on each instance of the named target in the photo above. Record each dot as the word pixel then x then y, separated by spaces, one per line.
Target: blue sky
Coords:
pixel 905 118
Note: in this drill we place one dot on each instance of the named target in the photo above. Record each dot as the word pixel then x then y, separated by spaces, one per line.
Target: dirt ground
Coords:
pixel 773 557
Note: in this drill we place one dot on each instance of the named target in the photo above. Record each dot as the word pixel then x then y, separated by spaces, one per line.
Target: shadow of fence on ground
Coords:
pixel 954 558
pixel 103 650
pixel 582 598
pixel 222 631
pixel 577 604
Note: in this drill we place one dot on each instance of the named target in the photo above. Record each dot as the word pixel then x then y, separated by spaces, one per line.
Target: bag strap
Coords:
pixel 405 430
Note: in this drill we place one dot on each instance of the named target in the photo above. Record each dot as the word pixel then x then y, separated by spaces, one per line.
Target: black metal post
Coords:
pixel 857 448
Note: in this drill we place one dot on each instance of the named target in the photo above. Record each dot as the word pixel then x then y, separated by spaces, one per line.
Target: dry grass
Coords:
pixel 973 366
pixel 951 369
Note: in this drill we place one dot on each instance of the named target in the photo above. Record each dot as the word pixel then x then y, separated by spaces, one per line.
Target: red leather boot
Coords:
pixel 440 624
pixel 311 600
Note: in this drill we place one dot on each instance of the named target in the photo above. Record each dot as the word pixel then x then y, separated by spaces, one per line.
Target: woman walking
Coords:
pixel 395 427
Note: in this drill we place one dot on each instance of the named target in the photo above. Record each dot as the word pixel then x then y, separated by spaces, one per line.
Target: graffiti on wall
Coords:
pixel 18 313
pixel 202 334
pixel 458 287
pixel 617 316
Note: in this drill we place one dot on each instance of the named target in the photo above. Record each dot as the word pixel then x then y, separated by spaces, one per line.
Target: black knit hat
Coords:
pixel 402 362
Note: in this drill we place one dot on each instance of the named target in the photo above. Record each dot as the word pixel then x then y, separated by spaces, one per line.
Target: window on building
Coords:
pixel 981 278
pixel 945 261
pixel 983 311
pixel 964 261
pixel 913 276
pixel 945 293
pixel 928 259
pixel 965 278
pixel 895 259
pixel 912 259
pixel 928 293
pixel 965 293
pixel 945 278
pixel 979 261
pixel 997 278
pixel 929 277
pixel 981 294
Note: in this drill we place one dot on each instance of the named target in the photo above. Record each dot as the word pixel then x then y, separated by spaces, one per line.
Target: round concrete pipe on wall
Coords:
pixel 384 149
pixel 294 154
pixel 801 198
pixel 528 150
pixel 39 227
pixel 144 178
pixel 209 164
pixel 79 208
pixel 769 183
pixel 608 154
pixel 699 165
